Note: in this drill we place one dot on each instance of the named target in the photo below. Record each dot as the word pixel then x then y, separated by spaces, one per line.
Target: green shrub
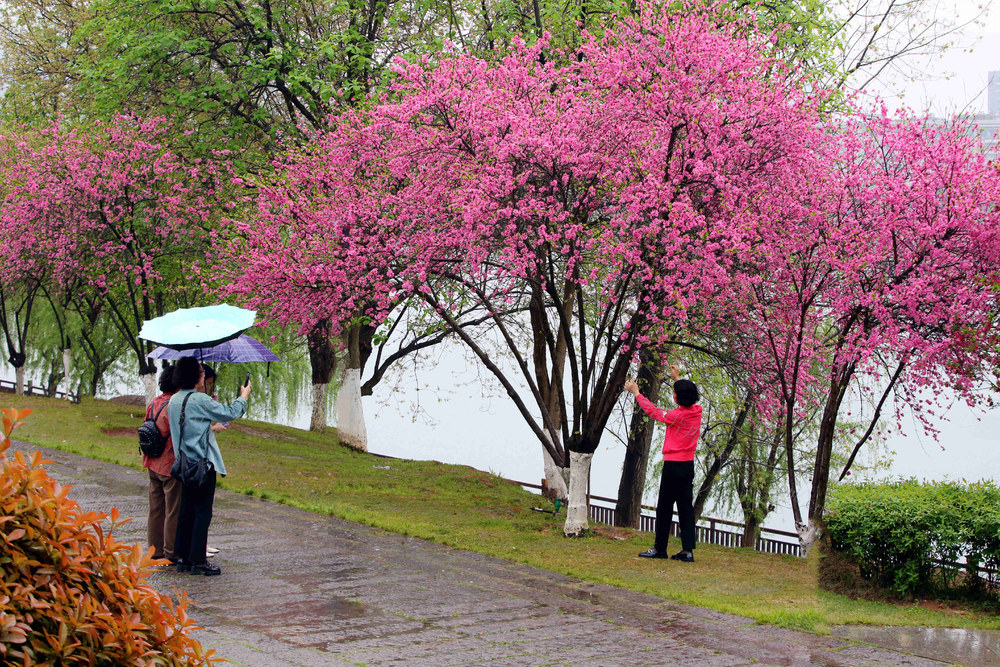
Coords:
pixel 70 593
pixel 908 537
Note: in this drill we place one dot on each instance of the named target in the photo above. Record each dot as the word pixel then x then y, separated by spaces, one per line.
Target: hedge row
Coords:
pixel 900 533
pixel 71 594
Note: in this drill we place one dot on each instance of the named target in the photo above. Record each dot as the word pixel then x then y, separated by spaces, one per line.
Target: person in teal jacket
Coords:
pixel 197 443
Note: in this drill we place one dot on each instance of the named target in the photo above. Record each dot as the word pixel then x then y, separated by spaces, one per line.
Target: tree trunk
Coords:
pixel 628 509
pixel 149 383
pixel 67 356
pixel 550 380
pixel 824 445
pixel 19 379
pixel 317 419
pixel 751 529
pixel 52 384
pixel 577 509
pixel 788 414
pixel 556 478
pixel 323 361
pixel 808 534
pixel 821 469
pixel 754 484
pixel 350 414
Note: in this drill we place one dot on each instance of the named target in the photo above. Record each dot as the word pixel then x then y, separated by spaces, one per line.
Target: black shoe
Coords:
pixel 685 556
pixel 182 566
pixel 206 569
pixel 652 553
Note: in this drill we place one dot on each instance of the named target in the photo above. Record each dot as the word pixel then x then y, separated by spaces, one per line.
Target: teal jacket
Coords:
pixel 201 410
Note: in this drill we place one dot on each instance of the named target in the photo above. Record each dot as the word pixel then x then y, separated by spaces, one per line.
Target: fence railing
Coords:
pixel 721 532
pixel 714 531
pixel 8 386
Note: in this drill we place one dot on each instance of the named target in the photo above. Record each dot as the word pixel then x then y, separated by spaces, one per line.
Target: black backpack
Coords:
pixel 151 441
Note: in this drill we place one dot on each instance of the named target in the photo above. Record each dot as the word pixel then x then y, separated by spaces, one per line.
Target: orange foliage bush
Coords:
pixel 71 594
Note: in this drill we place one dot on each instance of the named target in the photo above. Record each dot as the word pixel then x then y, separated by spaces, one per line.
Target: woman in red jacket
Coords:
pixel 164 490
pixel 677 480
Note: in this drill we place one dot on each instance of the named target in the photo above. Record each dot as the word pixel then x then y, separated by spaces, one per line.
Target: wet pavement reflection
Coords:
pixel 969 647
pixel 304 589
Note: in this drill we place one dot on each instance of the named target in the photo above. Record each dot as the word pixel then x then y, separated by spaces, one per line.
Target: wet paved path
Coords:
pixel 302 589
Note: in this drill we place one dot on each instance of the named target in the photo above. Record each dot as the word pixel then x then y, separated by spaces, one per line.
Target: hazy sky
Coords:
pixel 955 80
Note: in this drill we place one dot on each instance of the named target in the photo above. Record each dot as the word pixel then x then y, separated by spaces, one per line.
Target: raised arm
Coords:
pixel 646 405
pixel 219 411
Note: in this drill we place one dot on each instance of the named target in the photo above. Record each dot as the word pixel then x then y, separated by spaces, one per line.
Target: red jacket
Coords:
pixel 162 463
pixel 683 428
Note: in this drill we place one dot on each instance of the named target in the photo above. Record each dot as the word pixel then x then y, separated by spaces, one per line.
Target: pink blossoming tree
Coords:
pixel 112 214
pixel 878 281
pixel 607 197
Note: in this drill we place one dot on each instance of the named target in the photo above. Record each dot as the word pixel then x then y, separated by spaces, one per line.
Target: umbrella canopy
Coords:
pixel 190 328
pixel 241 350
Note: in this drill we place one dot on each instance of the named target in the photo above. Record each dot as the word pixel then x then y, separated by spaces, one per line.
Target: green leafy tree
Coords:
pixel 250 72
pixel 42 55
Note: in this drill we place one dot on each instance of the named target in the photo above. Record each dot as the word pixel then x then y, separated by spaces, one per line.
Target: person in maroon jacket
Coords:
pixel 677 480
pixel 164 490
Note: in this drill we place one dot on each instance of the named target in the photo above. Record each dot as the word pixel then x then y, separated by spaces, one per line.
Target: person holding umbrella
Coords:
pixel 198 411
pixel 207 386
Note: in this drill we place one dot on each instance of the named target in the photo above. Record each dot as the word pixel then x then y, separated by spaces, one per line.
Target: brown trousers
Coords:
pixel 164 508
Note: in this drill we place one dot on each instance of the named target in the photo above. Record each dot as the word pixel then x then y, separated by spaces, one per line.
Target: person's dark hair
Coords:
pixel 187 372
pixel 166 382
pixel 687 393
pixel 209 371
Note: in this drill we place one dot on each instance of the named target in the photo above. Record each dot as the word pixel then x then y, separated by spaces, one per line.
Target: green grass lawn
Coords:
pixel 470 509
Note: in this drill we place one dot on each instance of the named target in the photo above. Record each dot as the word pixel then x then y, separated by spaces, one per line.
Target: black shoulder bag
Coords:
pixel 190 472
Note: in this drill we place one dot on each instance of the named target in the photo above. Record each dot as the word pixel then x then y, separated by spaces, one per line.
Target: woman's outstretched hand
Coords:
pixel 631 387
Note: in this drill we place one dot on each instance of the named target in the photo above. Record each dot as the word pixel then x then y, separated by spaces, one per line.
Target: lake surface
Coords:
pixel 445 409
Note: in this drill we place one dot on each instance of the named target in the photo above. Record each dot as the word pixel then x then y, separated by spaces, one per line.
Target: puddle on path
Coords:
pixel 972 648
pixel 334 607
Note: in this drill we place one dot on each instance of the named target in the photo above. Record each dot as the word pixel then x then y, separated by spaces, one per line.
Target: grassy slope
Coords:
pixel 469 509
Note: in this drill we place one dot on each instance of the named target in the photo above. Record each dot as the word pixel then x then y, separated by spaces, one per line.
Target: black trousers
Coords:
pixel 676 487
pixel 194 519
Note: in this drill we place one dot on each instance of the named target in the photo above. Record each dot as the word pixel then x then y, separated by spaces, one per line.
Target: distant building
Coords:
pixel 986 125
pixel 988 129
pixel 989 125
pixel 993 95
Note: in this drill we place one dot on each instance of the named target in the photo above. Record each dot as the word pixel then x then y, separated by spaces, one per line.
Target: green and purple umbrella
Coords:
pixel 240 350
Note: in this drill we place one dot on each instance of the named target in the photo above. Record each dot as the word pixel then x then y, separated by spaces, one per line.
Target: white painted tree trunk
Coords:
pixel 808 534
pixel 67 365
pixel 19 381
pixel 350 414
pixel 555 476
pixel 149 382
pixel 577 512
pixel 317 422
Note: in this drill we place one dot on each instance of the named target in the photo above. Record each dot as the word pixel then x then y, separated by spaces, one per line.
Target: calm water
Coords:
pixel 446 410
